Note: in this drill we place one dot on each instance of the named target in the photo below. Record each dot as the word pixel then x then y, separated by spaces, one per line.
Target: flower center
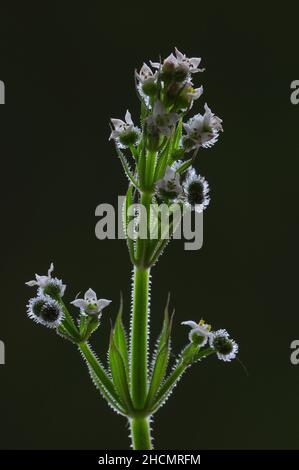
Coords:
pixel 195 193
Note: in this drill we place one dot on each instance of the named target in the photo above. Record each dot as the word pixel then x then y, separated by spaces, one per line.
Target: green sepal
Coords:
pixel 120 337
pixel 161 359
pixel 119 375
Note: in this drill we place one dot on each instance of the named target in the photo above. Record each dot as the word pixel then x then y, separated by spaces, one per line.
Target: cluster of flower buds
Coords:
pixel 45 308
pixel 48 309
pixel 167 93
pixel 219 341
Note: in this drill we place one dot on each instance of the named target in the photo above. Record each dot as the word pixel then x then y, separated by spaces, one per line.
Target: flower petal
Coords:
pixel 128 118
pixel 31 283
pixel 190 323
pixel 102 303
pixel 90 295
pixel 51 269
pixel 80 303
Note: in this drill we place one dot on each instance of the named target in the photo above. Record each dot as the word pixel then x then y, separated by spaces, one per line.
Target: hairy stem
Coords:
pixel 139 336
pixel 140 433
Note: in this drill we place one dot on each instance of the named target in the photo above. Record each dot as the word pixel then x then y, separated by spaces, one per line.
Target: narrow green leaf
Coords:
pixel 120 337
pixel 177 136
pixel 97 368
pixel 118 372
pixel 161 359
pixel 126 167
pixel 184 166
pixel 98 384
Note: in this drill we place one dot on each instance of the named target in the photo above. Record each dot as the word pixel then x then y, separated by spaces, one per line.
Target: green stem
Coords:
pixel 150 169
pixel 140 433
pixel 139 336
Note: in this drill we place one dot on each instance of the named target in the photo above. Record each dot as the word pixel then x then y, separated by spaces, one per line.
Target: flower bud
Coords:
pixel 225 347
pixel 129 138
pixel 45 310
pixel 150 88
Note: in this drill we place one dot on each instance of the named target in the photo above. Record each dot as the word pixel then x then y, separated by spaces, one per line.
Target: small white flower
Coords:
pixel 45 310
pixel 169 186
pixel 179 61
pixel 225 347
pixel 146 75
pixel 91 305
pixel 162 120
pixel 192 63
pixel 201 329
pixel 124 132
pixel 196 191
pixel 202 130
pixel 193 93
pixel 48 283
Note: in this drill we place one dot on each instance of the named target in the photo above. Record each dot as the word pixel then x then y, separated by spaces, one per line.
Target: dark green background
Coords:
pixel 69 67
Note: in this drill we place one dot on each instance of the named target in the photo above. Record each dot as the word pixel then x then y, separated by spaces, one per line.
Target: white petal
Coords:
pixel 80 303
pixel 102 303
pixel 179 55
pixel 190 323
pixel 128 118
pixel 170 59
pixel 195 61
pixel 117 123
pixel 41 280
pixel 90 295
pixel 51 269
pixel 156 65
pixel 31 283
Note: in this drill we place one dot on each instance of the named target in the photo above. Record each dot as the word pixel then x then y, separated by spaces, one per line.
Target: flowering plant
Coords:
pixel 157 158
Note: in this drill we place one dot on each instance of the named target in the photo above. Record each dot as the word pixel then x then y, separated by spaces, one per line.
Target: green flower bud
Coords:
pixel 128 138
pixel 45 310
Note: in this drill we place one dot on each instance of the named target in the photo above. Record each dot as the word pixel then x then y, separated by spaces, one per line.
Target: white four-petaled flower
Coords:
pixel 91 305
pixel 200 329
pixel 179 60
pixel 202 130
pixel 44 282
pixel 146 75
pixel 169 186
pixel 124 130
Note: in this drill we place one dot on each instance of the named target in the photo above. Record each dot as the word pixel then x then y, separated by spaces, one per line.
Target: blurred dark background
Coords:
pixel 67 68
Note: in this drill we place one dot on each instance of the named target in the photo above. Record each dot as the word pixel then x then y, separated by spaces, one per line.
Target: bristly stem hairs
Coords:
pixel 157 157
